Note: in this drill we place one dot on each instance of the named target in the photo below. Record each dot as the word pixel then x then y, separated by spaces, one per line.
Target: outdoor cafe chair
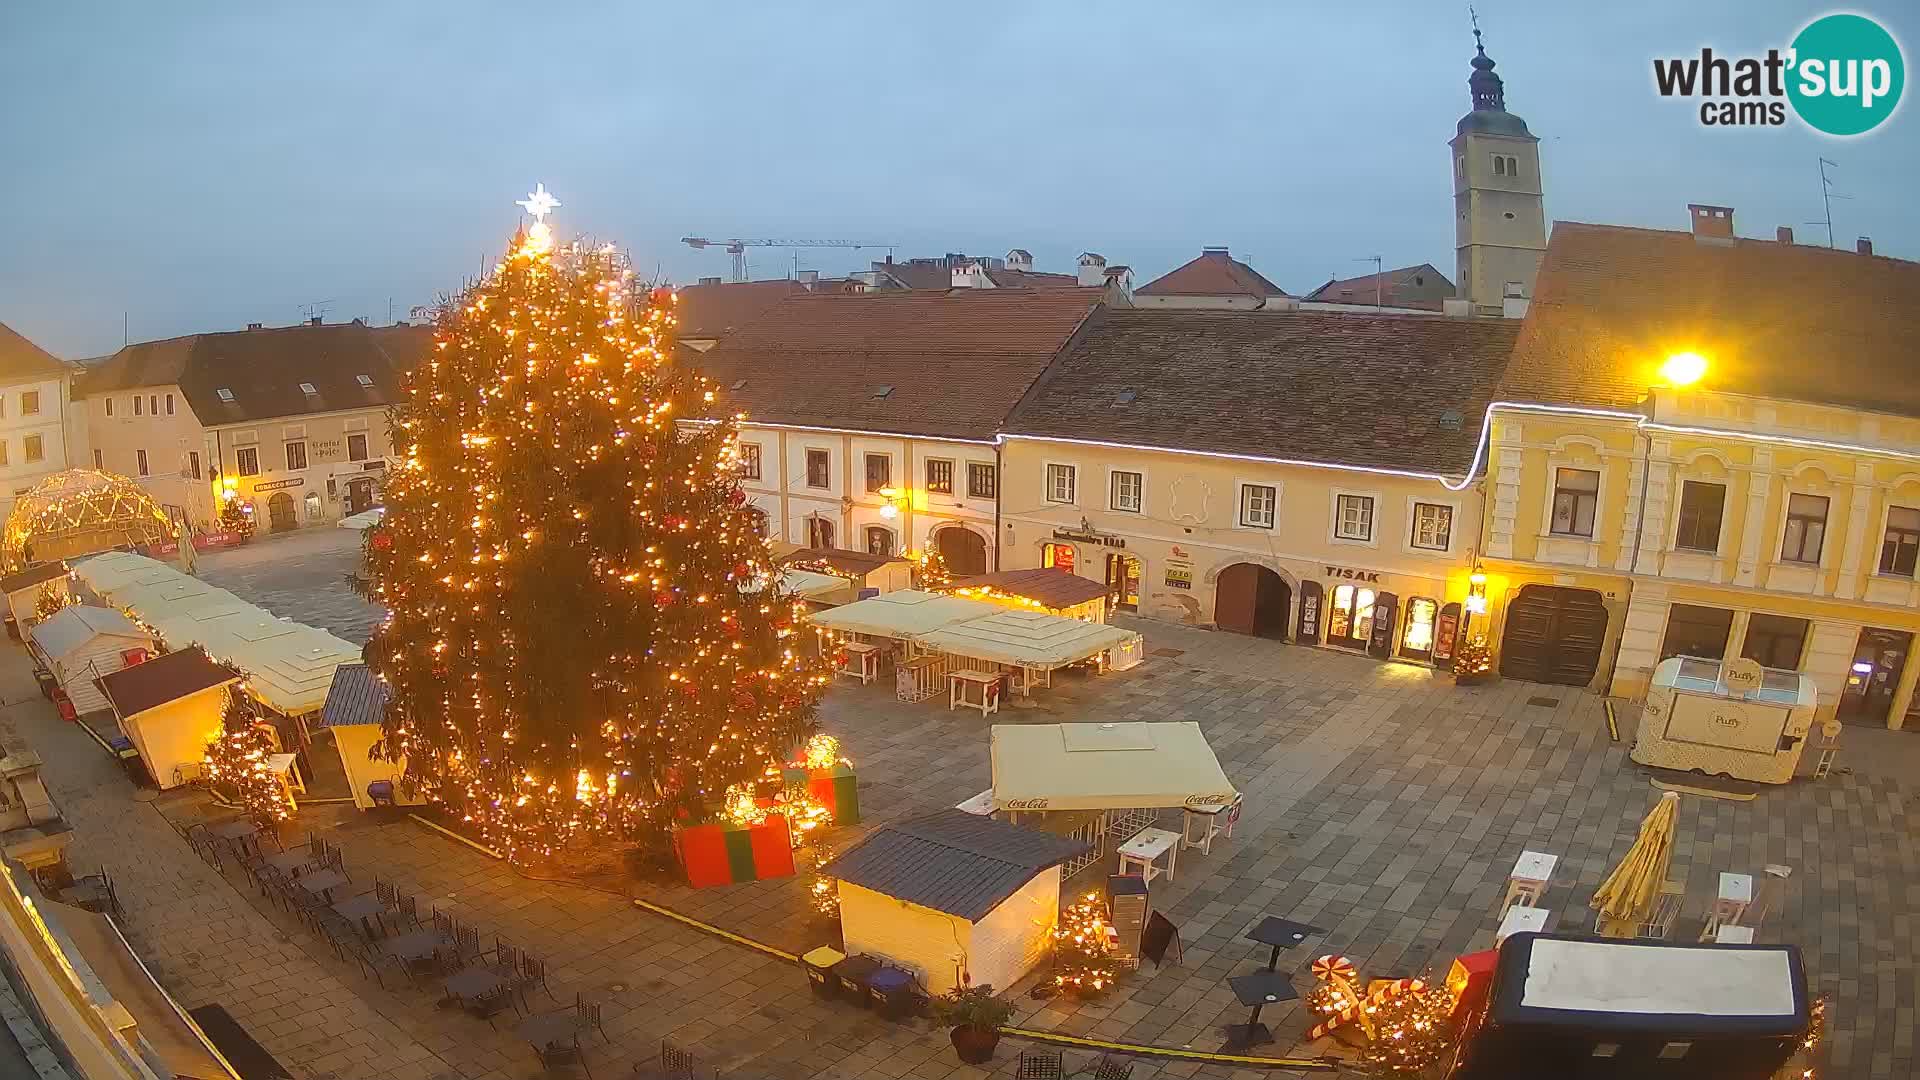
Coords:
pixel 563 1054
pixel 1040 1065
pixel 506 960
pixel 533 971
pixel 466 941
pixel 388 896
pixel 1113 1068
pixel 409 910
pixel 587 1015
pixel 442 923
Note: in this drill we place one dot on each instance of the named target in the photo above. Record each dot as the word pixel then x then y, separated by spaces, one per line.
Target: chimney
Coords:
pixel 971 276
pixel 1864 245
pixel 1214 251
pixel 1712 224
pixel 1093 269
pixel 709 281
pixel 253 326
pixel 313 320
pixel 1784 234
pixel 808 277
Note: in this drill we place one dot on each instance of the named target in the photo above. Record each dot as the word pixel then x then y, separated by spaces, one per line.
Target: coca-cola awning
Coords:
pixel 1105 767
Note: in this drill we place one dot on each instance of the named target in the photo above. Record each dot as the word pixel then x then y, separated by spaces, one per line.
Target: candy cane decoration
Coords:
pixel 1380 992
pixel 1339 973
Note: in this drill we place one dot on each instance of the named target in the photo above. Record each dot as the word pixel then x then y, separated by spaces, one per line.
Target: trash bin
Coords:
pixel 820 965
pixel 130 762
pixel 852 975
pixel 890 993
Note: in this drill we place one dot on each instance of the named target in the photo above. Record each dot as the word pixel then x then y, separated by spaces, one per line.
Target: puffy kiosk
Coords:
pixel 1734 719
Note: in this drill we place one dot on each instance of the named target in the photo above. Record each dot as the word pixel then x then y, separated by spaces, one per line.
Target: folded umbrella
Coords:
pixel 1626 898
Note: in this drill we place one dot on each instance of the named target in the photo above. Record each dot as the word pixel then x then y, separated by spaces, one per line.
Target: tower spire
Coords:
pixel 1489 93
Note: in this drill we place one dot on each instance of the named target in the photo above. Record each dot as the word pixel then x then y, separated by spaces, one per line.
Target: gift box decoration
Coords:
pixel 836 789
pixel 727 852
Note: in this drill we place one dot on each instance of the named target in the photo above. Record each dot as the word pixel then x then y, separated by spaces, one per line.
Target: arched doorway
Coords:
pixel 1252 599
pixel 359 494
pixel 280 512
pixel 964 550
pixel 1554 635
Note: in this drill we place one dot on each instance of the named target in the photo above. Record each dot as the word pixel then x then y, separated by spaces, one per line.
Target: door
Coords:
pixel 359 495
pixel 280 512
pixel 1878 661
pixel 1554 635
pixel 1416 641
pixel 1123 583
pixel 964 550
pixel 1252 599
pixel 1350 616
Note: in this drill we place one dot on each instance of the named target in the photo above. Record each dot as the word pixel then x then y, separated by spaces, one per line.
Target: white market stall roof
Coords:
pixel 77 624
pixel 164 594
pixel 117 569
pixel 809 584
pixel 1105 767
pixel 364 519
pixel 1032 639
pixel 907 614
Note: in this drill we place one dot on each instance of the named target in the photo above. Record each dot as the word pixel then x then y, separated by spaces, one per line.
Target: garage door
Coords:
pixel 1554 635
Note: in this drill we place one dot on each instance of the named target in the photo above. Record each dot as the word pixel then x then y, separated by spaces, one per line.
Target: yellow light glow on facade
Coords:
pixel 1683 368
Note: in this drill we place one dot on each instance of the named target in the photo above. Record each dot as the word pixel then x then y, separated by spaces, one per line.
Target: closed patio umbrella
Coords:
pixel 1626 898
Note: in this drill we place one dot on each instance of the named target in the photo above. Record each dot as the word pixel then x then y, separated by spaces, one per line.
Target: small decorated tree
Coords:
pixel 1413 1033
pixel 931 573
pixel 237 764
pixel 1083 949
pixel 1473 661
pixel 234 516
pixel 49 601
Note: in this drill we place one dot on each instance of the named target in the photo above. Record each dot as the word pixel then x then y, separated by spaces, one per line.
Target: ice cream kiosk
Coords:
pixel 1732 718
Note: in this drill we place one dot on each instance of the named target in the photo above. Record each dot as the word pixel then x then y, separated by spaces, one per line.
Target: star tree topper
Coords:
pixel 539 203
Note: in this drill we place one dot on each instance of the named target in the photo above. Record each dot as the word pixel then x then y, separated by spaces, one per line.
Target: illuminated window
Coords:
pixel 33 447
pixel 1257 503
pixel 1350 615
pixel 1576 494
pixel 1123 581
pixel 1417 639
pixel 940 476
pixel 1060 483
pixel 30 403
pixel 1432 526
pixel 1057 556
pixel 1126 493
pixel 879 540
pixel 1354 517
pixel 1806 528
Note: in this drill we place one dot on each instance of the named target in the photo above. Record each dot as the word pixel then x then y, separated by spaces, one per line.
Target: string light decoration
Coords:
pixel 823 752
pixel 1474 657
pixel 49 600
pixel 237 763
pixel 78 512
pixel 1083 949
pixel 569 653
pixel 930 570
pixel 236 514
pixel 1816 1034
pixel 824 895
pixel 1412 1030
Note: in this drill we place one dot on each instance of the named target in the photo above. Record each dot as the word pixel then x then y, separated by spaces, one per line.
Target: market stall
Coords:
pixel 1570 1006
pixel 1733 719
pixel 356 703
pixel 1048 589
pixel 171 707
pixel 953 898
pixel 905 617
pixel 857 570
pixel 1103 782
pixel 80 643
pixel 23 589
pixel 1034 644
pixel 816 588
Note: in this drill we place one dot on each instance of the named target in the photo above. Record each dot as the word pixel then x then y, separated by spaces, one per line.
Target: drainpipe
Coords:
pixel 996 504
pixel 1633 566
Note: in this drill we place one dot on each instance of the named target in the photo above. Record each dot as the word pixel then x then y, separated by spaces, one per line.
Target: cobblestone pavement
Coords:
pixel 1382 804
pixel 299 575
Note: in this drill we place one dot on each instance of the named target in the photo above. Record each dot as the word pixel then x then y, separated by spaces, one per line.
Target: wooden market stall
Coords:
pixel 1104 783
pixel 1047 588
pixel 1560 1005
pixel 81 643
pixel 356 702
pixel 887 626
pixel 953 898
pixel 1733 719
pixel 859 570
pixel 170 708
pixel 23 590
pixel 1034 644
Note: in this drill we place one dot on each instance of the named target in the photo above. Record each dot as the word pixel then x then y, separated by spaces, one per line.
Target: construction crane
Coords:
pixel 738 248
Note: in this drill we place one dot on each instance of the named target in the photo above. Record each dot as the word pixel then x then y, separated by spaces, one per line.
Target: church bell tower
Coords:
pixel 1500 225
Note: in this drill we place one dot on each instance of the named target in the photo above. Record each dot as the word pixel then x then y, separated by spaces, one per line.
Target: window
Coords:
pixel 819 532
pixel 1506 165
pixel 1125 491
pixel 1353 517
pixel 1060 483
pixel 1499 165
pixel 983 482
pixel 139 405
pixel 749 461
pixel 760 522
pixel 30 403
pixel 365 381
pixel 153 404
pixel 1806 528
pixel 296 455
pixel 939 476
pixel 879 472
pixel 819 469
pixel 357 447
pixel 109 406
pixel 879 540
pixel 1057 556
pixel 1432 526
pixel 169 404
pixel 1775 641
pixel 1701 507
pixel 193 464
pixel 99 460
pixel 1697 631
pixel 1257 504
pixel 225 394
pixel 3 454
pixel 1902 542
pixel 140 462
pixel 307 389
pixel 34 449
pixel 246 461
pixel 1576 492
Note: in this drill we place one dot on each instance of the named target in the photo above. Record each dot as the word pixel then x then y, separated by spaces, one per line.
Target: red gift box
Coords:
pixel 727 853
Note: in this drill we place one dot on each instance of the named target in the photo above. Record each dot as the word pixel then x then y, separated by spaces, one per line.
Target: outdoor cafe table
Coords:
pixel 550 1029
pixel 417 945
pixel 1257 991
pixel 361 909
pixel 238 834
pixel 476 984
pixel 288 862
pixel 322 883
pixel 1281 934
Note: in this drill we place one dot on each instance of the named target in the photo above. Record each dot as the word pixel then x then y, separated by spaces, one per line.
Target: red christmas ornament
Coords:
pixel 737 497
pixel 743 701
pixel 661 296
pixel 663 599
pixel 689 690
pixel 675 521
pixel 741 569
pixel 382 541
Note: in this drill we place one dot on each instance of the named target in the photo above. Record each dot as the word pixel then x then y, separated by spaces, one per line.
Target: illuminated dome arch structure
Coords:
pixel 79 512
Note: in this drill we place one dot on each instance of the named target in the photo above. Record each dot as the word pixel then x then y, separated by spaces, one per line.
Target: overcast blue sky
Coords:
pixel 196 166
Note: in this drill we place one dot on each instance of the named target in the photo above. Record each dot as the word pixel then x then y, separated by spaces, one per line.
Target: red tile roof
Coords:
pixel 1773 320
pixel 714 310
pixel 915 362
pixel 1378 390
pixel 1214 273
pixel 1051 587
pixel 1387 288
pixel 261 369
pixel 20 358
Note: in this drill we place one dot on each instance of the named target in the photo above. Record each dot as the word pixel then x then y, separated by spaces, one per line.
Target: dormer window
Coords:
pixel 882 391
pixel 225 394
pixel 365 381
pixel 307 389
pixel 738 383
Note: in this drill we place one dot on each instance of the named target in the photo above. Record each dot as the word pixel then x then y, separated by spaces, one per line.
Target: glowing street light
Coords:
pixel 1683 368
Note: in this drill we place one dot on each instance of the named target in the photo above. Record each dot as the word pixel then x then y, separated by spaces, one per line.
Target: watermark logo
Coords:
pixel 1842 75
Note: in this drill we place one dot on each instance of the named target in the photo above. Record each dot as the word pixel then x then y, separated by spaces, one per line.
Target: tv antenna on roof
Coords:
pixel 1827 195
pixel 1378 289
pixel 317 308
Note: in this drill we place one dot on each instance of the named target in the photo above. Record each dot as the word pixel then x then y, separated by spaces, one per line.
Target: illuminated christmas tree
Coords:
pixel 238 768
pixel 568 648
pixel 49 600
pixel 1473 659
pixel 931 573
pixel 1083 949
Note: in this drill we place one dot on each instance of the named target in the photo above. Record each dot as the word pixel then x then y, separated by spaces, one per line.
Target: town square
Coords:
pixel 1097 660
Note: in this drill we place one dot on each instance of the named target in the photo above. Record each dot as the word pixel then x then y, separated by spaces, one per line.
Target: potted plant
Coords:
pixel 976 1017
